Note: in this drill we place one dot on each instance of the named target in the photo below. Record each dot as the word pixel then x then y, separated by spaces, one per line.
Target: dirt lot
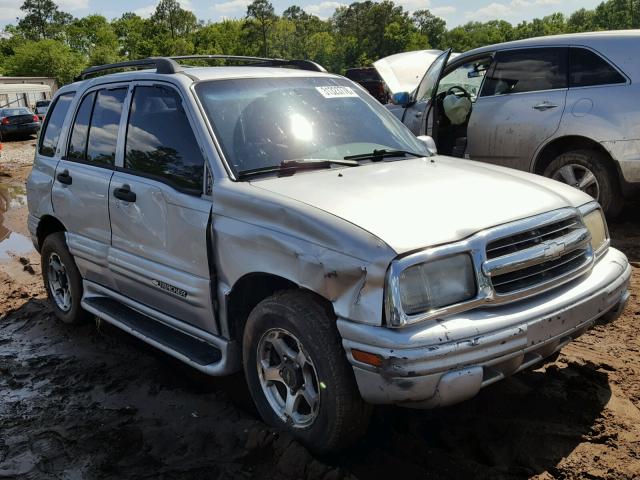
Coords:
pixel 91 402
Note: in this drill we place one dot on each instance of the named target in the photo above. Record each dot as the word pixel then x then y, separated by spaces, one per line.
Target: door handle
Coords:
pixel 418 114
pixel 125 193
pixel 544 106
pixel 64 177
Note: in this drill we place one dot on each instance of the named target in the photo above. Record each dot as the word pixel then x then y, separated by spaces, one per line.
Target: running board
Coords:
pixel 198 353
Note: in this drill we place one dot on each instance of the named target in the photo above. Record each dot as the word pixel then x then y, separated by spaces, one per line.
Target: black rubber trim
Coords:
pixel 196 350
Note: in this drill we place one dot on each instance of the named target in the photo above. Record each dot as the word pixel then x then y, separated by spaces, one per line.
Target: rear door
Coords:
pixel 81 186
pixel 520 106
pixel 48 154
pixel 159 215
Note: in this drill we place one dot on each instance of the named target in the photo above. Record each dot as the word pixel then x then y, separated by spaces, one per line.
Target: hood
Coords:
pixel 418 203
pixel 402 72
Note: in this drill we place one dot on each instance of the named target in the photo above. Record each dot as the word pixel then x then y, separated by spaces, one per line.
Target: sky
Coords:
pixel 455 13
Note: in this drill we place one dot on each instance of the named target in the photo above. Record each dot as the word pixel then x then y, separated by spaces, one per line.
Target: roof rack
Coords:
pixel 162 64
pixel 258 61
pixel 169 65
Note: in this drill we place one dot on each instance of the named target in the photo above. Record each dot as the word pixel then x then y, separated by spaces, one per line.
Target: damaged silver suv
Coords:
pixel 273 217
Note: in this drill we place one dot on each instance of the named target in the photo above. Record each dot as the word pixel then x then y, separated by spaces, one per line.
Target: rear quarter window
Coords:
pixel 587 69
pixel 53 124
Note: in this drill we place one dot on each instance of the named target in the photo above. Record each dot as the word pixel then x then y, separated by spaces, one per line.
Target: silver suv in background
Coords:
pixel 562 106
pixel 239 218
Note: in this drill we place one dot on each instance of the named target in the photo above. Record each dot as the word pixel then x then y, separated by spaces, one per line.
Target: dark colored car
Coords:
pixel 18 121
pixel 371 80
pixel 41 108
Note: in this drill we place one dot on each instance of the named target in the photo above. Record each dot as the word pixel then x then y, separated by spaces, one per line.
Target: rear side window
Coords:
pixel 160 141
pixel 78 143
pixel 527 70
pixel 586 68
pixel 54 122
pixel 103 131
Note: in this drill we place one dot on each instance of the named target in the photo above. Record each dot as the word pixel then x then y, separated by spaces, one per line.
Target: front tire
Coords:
pixel 588 171
pixel 62 280
pixel 298 374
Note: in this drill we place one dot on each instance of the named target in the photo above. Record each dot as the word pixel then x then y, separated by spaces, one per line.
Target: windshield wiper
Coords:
pixel 378 155
pixel 289 167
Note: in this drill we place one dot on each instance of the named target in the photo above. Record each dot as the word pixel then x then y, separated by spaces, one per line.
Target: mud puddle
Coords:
pixel 13 197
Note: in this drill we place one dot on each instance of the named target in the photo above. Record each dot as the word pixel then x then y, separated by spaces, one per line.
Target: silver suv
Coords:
pixel 282 221
pixel 561 106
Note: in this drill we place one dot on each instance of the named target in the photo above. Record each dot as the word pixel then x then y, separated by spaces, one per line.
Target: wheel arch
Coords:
pixel 569 143
pixel 250 289
pixel 47 225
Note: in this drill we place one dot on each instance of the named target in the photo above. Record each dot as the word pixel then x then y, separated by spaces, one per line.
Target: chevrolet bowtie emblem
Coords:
pixel 554 249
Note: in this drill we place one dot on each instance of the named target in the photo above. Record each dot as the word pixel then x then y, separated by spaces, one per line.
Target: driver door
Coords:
pixel 416 113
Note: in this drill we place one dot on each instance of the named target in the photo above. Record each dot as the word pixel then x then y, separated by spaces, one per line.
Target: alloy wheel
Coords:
pixel 580 177
pixel 288 378
pixel 59 283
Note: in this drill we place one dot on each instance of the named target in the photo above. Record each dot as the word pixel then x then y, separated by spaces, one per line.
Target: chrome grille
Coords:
pixel 538 256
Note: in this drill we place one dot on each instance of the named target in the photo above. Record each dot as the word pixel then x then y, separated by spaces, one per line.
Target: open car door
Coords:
pixel 417 110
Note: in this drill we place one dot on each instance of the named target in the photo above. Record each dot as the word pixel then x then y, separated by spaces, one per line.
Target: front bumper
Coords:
pixel 438 363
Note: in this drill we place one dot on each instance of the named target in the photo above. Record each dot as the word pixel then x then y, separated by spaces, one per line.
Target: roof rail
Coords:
pixel 162 64
pixel 258 61
pixel 170 65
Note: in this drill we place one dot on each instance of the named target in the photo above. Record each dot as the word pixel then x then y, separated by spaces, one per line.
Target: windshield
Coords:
pixel 425 89
pixel 263 122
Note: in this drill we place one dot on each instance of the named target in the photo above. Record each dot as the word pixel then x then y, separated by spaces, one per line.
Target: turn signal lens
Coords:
pixel 366 357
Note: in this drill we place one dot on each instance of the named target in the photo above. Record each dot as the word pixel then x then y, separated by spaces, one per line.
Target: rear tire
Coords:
pixel 62 280
pixel 299 321
pixel 588 171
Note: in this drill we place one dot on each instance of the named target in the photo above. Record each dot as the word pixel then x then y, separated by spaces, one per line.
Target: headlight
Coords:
pixel 597 226
pixel 436 284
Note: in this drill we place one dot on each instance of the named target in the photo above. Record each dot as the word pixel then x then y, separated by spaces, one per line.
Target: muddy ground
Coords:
pixel 91 402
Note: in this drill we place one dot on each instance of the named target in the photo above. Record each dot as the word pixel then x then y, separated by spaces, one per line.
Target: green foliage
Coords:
pixel 49 58
pixel 258 27
pixel 434 28
pixel 94 37
pixel 42 20
pixel 47 41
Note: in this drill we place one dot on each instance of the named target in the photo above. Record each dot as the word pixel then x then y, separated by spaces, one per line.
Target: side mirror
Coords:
pixel 401 98
pixel 430 144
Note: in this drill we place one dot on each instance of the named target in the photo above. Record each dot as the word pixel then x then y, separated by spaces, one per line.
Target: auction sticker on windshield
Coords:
pixel 336 92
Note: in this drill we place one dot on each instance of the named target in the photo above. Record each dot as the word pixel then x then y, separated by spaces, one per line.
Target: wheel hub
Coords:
pixel 291 373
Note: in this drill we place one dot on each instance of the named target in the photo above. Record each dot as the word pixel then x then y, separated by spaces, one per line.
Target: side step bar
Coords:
pixel 196 352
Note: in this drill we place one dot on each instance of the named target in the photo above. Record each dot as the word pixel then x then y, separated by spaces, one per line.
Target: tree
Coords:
pixel 135 36
pixel 261 16
pixel 221 38
pixel 95 38
pixel 431 26
pixel 582 20
pixel 175 20
pixel 42 20
pixel 45 58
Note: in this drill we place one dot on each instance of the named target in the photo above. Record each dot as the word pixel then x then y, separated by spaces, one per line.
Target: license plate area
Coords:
pixel 539 331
